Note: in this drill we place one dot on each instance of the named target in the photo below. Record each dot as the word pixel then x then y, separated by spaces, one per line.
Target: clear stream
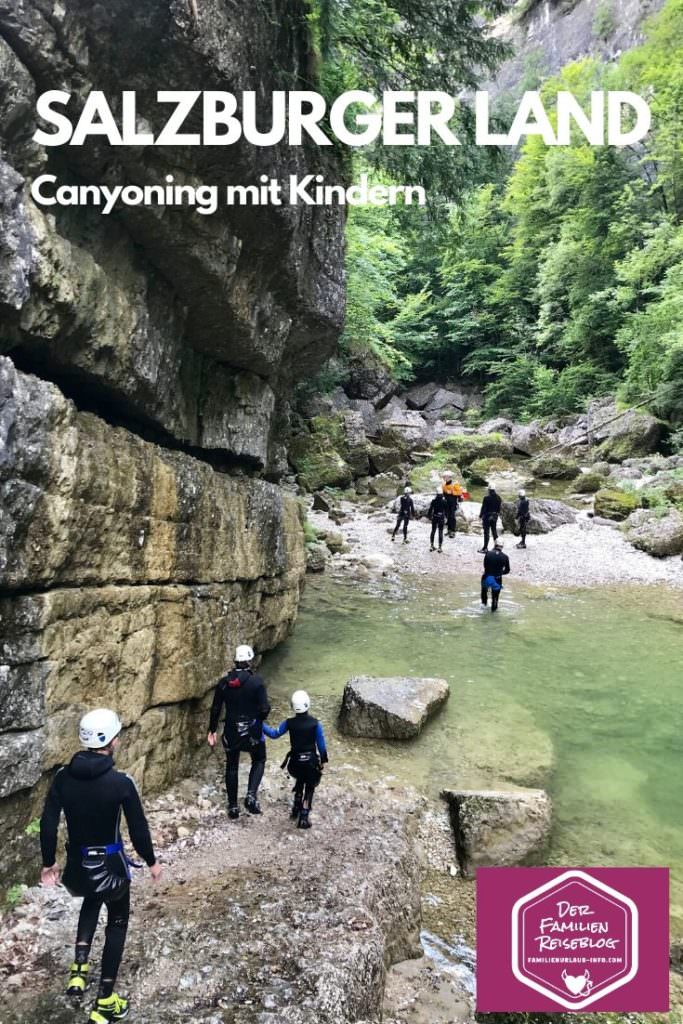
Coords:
pixel 576 691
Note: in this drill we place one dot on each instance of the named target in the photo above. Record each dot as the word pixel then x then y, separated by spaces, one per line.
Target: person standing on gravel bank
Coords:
pixel 92 795
pixel 496 565
pixel 243 693
pixel 489 512
pixel 307 755
pixel 523 515
pixel 438 510
pixel 406 512
pixel 453 494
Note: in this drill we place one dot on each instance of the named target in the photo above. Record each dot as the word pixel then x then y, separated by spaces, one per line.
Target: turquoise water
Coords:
pixel 578 692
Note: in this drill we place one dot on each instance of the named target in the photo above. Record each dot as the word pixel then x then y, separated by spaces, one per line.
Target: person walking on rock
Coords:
pixel 92 795
pixel 523 515
pixel 243 694
pixel 406 512
pixel 438 510
pixel 453 493
pixel 496 565
pixel 489 512
pixel 306 757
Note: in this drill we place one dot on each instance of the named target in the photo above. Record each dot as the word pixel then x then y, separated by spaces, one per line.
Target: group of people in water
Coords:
pixel 442 514
pixel 93 795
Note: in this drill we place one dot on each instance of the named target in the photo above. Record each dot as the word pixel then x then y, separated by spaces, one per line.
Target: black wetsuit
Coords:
pixel 490 510
pixel 307 753
pixel 246 707
pixel 523 516
pixel 406 512
pixel 438 510
pixel 92 795
pixel 496 564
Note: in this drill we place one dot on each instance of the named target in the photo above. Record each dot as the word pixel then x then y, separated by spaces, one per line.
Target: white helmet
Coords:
pixel 407 490
pixel 300 702
pixel 244 653
pixel 98 728
pixel 439 491
pixel 498 543
pixel 522 494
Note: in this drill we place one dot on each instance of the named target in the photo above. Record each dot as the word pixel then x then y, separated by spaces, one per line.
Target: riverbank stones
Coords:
pixel 393 707
pixel 499 828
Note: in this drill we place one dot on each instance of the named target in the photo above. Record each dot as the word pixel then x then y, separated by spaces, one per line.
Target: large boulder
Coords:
pixel 615 504
pixel 632 434
pixel 656 533
pixel 371 380
pixel 356 445
pixel 499 828
pixel 384 485
pixel 589 483
pixel 382 459
pixel 530 438
pixel 546 515
pixel 394 707
pixel 446 399
pixel 467 448
pixel 553 466
pixel 497 425
pixel 481 470
pixel 316 455
pixel 419 395
pixel 403 428
pixel 371 420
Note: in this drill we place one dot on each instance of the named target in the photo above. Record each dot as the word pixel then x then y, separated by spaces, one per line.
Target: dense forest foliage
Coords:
pixel 550 277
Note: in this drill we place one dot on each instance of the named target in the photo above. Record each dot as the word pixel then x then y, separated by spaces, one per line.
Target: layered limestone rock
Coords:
pixel 196 325
pixel 139 539
pixel 127 572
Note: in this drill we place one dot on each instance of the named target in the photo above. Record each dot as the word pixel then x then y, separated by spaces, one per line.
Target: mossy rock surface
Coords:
pixel 589 483
pixel 316 455
pixel 552 466
pixel 467 448
pixel 614 504
pixel 481 470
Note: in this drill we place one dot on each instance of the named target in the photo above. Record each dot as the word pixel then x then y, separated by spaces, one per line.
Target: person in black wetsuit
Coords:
pixel 496 565
pixel 489 512
pixel 306 757
pixel 92 795
pixel 523 515
pixel 243 693
pixel 406 512
pixel 438 510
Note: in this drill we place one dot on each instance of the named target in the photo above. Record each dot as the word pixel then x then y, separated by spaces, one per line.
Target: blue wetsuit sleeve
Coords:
pixel 320 742
pixel 275 734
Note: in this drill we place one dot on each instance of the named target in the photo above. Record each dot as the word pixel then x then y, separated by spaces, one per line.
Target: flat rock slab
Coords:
pixel 393 707
pixel 499 828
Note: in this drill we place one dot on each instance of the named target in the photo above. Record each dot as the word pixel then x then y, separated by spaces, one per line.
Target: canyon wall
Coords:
pixel 148 358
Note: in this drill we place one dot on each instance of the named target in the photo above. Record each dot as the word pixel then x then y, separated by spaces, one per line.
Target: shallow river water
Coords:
pixel 578 692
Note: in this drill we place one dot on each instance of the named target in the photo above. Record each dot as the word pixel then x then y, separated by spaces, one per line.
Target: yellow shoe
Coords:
pixel 112 1008
pixel 78 981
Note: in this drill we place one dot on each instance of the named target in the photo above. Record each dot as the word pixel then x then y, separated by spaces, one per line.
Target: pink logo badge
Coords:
pixel 550 939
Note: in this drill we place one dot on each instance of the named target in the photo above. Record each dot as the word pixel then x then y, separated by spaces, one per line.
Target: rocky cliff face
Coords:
pixel 555 32
pixel 149 358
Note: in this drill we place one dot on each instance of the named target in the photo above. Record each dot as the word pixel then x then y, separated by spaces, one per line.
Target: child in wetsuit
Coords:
pixel 306 757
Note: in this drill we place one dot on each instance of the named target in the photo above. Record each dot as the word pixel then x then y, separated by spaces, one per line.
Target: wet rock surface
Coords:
pixel 498 828
pixel 252 921
pixel 658 534
pixel 395 707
